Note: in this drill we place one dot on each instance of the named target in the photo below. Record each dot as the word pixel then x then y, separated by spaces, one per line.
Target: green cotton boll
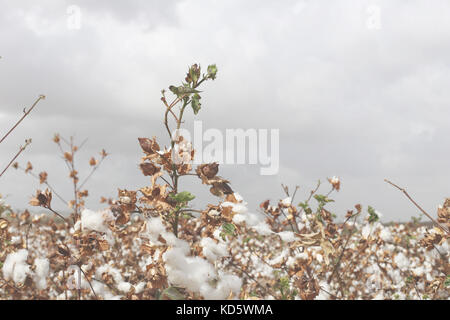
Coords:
pixel 212 71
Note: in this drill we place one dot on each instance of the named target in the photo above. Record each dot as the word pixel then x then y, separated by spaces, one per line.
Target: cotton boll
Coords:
pixel 15 266
pixel 155 228
pixel 236 207
pixel 95 220
pixel 238 218
pixel 287 236
pixel 401 261
pixel 124 286
pixel 42 268
pixel 263 229
pixel 178 265
pixel 140 287
pixel 227 284
pixel 287 201
pixel 419 271
pixel 366 230
pixel 238 197
pixel 213 250
pixel 385 234
pixel 16 239
pixel 115 273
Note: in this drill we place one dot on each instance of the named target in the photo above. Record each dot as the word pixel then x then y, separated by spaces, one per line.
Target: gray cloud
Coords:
pixel 350 101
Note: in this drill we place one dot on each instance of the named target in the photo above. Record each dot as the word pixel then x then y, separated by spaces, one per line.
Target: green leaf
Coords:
pixel 182 90
pixel 184 196
pixel 303 205
pixel 322 198
pixel 373 217
pixel 228 229
pixel 447 281
pixel 195 103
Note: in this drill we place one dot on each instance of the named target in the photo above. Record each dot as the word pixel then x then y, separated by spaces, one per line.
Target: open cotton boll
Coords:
pixel 155 228
pixel 401 261
pixel 251 219
pixel 95 220
pixel 262 228
pixel 385 234
pixel 178 266
pixel 287 236
pixel 124 286
pixel 213 250
pixel 16 239
pixel 42 268
pixel 15 266
pixel 239 208
pixel 366 230
pixel 115 273
pixel 286 201
pixel 227 284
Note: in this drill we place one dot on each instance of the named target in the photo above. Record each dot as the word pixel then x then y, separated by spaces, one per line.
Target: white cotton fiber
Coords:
pixel 178 266
pixel 287 236
pixel 224 287
pixel 287 201
pixel 213 250
pixel 15 266
pixel 42 268
pixel 401 261
pixel 95 220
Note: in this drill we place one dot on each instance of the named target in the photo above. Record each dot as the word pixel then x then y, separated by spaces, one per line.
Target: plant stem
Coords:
pixel 419 207
pixel 26 113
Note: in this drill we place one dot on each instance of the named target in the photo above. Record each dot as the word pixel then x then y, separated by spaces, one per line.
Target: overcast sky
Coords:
pixel 358 89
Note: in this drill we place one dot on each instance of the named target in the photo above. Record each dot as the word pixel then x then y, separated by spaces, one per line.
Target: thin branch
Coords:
pixel 332 295
pixel 58 214
pixel 90 284
pixel 46 183
pixel 295 192
pixel 336 266
pixel 26 113
pixel 91 173
pixel 419 207
pixel 22 148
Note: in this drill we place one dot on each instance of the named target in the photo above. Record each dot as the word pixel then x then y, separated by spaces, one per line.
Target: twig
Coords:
pixel 22 148
pixel 91 173
pixel 46 183
pixel 336 267
pixel 332 295
pixel 295 192
pixel 419 207
pixel 26 113
pixel 59 215
pixel 90 284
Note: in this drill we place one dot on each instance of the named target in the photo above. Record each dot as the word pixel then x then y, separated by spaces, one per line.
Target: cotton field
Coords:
pixel 41 258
